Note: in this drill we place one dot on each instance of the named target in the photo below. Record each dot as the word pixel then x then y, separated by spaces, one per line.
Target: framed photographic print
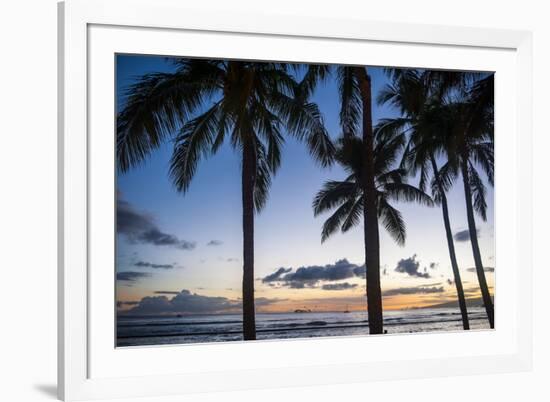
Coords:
pixel 281 201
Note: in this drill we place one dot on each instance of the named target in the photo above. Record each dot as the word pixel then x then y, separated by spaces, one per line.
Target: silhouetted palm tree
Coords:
pixel 355 89
pixel 416 95
pixel 205 102
pixel 355 92
pixel 347 197
pixel 473 132
pixel 461 122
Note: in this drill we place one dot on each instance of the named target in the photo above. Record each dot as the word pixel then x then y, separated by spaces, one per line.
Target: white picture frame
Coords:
pixel 91 32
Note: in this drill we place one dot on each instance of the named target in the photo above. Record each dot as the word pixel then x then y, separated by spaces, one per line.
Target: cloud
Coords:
pixel 214 243
pixel 166 292
pixel 434 265
pixel 143 264
pixel 431 284
pixel 158 238
pixel 413 290
pixel 140 228
pixel 486 269
pixel 185 302
pixel 131 276
pixel 410 267
pixel 463 235
pixel 310 276
pixel 120 304
pixel 232 260
pixel 275 276
pixel 339 286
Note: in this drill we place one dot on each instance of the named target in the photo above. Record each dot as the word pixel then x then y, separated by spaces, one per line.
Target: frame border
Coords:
pixel 74 16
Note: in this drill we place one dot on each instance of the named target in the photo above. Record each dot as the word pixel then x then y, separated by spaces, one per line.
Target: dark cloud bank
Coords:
pixel 413 290
pixel 339 286
pixel 185 302
pixel 140 228
pixel 120 304
pixel 312 276
pixel 130 277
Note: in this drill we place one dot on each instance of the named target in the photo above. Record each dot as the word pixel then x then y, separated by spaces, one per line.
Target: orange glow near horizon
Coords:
pixel 354 301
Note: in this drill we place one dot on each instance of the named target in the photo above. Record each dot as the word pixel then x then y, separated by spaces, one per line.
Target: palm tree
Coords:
pixel 474 133
pixel 461 126
pixel 347 197
pixel 355 92
pixel 414 94
pixel 205 102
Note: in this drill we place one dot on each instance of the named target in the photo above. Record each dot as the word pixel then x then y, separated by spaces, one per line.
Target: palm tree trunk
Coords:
pixel 451 245
pixel 248 178
pixel 487 301
pixel 370 215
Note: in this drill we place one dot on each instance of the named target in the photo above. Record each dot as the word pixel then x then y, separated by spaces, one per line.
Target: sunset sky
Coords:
pixel 183 252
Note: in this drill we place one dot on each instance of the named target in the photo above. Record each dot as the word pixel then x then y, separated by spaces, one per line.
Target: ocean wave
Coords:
pixel 178 323
pixel 211 329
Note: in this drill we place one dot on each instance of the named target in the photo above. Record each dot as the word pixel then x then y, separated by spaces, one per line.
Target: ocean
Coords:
pixel 163 330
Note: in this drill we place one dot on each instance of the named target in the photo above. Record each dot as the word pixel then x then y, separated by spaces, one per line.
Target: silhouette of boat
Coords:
pixel 302 310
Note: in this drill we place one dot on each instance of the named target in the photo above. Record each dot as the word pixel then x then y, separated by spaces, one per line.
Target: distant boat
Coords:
pixel 347 309
pixel 304 310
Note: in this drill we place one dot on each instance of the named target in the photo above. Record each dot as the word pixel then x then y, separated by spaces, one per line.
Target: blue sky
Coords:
pixel 208 220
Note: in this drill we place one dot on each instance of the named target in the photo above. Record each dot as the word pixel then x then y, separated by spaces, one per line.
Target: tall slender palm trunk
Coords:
pixel 370 215
pixel 487 301
pixel 451 246
pixel 248 179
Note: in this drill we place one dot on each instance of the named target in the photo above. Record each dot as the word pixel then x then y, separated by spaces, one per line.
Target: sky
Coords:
pixel 182 253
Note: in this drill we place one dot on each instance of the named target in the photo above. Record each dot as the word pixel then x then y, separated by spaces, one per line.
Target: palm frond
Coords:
pixel 354 215
pixel 438 192
pixel 351 106
pixel 407 92
pixel 388 94
pixel 483 92
pixel 154 108
pixel 262 181
pixel 387 129
pixel 406 192
pixel 386 152
pixel 317 137
pixel 305 122
pixel 483 154
pixel 332 194
pixel 267 125
pixel 315 74
pixel 478 192
pixel 392 220
pixel 392 176
pixel 334 222
pixel 194 142
pixel 447 175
